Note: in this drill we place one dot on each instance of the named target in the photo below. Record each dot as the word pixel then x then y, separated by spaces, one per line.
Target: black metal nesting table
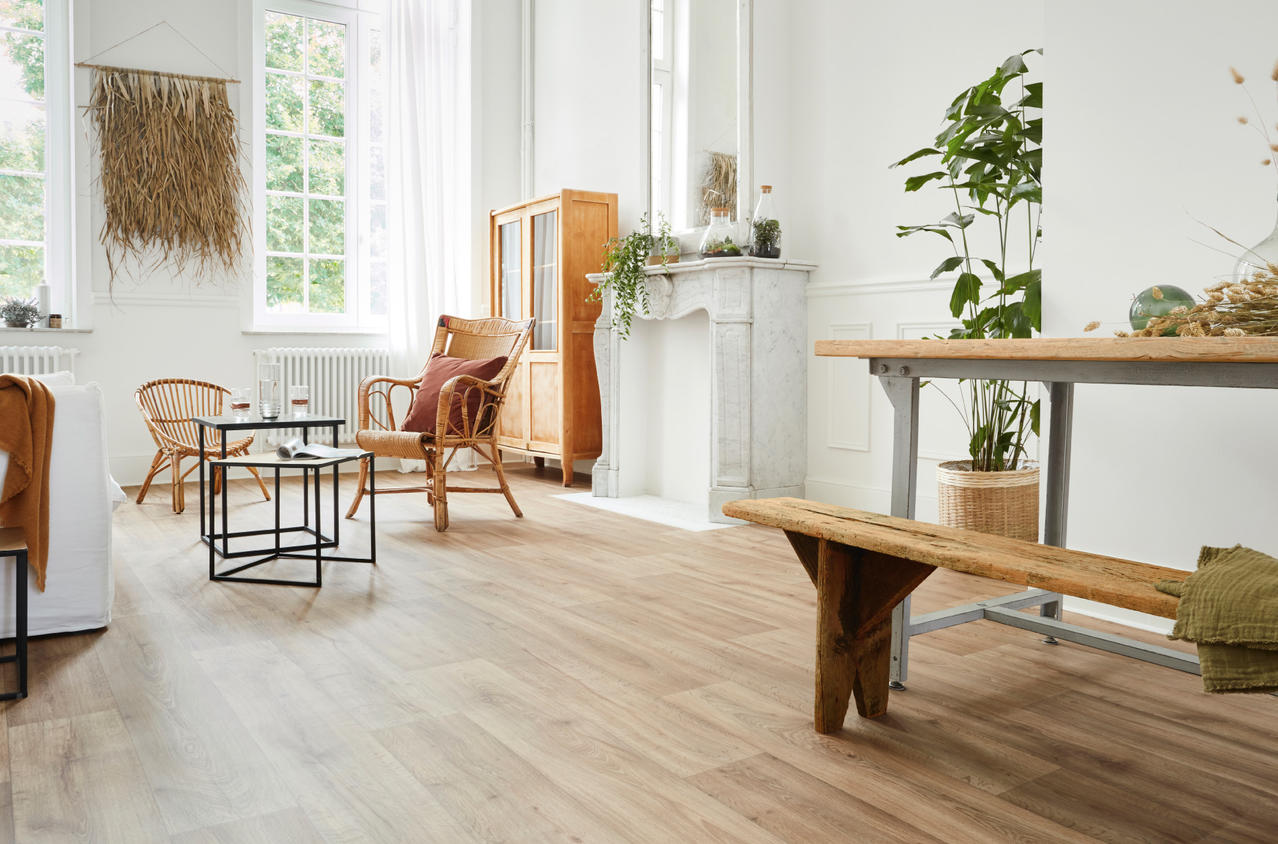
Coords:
pixel 12 544
pixel 218 541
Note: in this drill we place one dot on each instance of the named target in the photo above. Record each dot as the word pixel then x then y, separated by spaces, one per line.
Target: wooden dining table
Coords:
pixel 1059 363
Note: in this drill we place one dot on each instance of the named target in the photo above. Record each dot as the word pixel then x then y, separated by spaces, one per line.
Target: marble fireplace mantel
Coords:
pixel 758 373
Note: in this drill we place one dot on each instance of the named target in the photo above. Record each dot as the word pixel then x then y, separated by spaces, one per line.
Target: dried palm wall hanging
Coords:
pixel 718 185
pixel 170 173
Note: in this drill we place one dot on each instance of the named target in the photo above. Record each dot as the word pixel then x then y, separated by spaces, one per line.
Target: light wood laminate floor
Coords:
pixel 580 676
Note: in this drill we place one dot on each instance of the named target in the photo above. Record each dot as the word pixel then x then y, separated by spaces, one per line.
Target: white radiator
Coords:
pixel 333 374
pixel 36 360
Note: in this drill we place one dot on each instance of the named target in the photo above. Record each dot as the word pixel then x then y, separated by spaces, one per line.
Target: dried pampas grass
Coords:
pixel 170 173
pixel 718 185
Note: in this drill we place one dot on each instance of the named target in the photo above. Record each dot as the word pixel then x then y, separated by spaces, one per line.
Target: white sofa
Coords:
pixel 79 585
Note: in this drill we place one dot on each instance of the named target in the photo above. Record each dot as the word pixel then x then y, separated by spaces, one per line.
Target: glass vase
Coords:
pixel 719 241
pixel 268 390
pixel 1260 262
pixel 765 230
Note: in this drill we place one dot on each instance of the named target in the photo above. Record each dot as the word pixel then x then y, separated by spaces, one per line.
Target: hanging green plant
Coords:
pixel 625 264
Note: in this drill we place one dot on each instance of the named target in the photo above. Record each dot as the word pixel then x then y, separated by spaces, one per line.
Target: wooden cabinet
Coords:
pixel 541 251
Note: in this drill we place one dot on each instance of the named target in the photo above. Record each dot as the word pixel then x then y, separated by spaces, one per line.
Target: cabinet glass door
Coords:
pixel 545 272
pixel 509 270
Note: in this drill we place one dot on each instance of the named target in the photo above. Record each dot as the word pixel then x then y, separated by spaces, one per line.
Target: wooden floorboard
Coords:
pixel 577 675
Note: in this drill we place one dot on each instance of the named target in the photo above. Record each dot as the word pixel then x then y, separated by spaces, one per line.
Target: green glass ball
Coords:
pixel 1146 305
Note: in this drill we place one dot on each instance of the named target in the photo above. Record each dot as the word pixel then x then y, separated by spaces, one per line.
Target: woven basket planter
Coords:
pixel 1004 503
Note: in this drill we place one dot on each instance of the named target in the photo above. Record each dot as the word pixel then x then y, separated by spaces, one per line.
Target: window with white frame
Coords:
pixel 662 23
pixel 320 167
pixel 35 241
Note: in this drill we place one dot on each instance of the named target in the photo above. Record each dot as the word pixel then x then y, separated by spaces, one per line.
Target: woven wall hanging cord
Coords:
pixel 89 61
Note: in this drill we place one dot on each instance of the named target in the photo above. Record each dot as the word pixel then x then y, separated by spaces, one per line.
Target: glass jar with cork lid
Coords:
pixel 765 230
pixel 719 241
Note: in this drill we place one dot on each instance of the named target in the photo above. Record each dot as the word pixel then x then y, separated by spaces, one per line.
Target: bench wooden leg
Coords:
pixel 856 591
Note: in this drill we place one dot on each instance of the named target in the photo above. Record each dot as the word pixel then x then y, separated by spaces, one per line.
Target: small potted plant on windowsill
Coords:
pixel 19 313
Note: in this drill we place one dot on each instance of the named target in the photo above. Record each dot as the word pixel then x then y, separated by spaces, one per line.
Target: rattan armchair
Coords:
pixel 472 339
pixel 168 405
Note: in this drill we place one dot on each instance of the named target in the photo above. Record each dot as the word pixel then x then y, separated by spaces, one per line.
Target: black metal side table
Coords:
pixel 220 426
pixel 14 544
pixel 311 468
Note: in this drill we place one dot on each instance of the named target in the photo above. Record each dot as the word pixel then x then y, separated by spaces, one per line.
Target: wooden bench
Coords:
pixel 863 564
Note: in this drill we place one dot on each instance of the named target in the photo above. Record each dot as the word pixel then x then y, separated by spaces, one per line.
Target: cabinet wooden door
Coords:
pixel 508 302
pixel 545 393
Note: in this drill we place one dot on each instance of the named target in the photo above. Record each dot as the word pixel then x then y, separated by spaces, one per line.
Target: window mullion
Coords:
pixel 306 168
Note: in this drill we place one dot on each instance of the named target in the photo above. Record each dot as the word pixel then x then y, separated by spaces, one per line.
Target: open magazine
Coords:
pixel 296 448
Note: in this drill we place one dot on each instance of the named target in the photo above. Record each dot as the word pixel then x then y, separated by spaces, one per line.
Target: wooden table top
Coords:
pixel 1131 349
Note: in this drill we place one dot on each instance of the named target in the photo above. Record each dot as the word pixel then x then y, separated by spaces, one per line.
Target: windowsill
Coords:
pixel 4 329
pixel 317 332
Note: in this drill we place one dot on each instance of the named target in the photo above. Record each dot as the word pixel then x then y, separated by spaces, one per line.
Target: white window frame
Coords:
pixel 663 79
pixel 59 262
pixel 356 257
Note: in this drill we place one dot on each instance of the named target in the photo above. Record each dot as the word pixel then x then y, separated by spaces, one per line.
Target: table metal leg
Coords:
pixel 277 510
pixel 20 645
pixel 319 581
pixel 903 391
pixel 199 439
pixel 212 543
pixel 1058 453
pixel 225 477
pixel 372 510
pixel 337 523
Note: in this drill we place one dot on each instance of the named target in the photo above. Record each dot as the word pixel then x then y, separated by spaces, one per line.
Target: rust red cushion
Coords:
pixel 421 416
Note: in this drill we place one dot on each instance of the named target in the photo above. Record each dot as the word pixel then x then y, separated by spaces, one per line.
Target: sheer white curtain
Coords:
pixel 428 176
pixel 428 172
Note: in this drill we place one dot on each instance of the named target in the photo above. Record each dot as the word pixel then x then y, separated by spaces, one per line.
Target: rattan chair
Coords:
pixel 472 339
pixel 168 405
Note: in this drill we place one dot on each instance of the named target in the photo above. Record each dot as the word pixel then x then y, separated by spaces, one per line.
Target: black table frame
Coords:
pixel 226 424
pixel 314 551
pixel 19 655
pixel 210 536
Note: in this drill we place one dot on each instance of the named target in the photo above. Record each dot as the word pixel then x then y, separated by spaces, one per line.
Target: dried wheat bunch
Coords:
pixel 718 185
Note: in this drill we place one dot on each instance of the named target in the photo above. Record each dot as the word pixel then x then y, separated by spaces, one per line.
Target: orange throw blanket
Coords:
pixel 26 432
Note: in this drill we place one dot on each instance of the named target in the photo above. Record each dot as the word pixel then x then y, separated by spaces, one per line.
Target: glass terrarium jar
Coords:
pixel 765 231
pixel 720 239
pixel 1258 262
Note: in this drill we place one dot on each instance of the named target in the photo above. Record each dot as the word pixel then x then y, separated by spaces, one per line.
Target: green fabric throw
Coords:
pixel 1229 608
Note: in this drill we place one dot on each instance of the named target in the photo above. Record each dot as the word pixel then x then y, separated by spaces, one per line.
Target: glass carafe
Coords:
pixel 720 238
pixel 1260 262
pixel 765 230
pixel 268 390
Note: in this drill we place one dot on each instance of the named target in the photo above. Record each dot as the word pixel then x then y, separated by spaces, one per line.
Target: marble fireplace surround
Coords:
pixel 758 373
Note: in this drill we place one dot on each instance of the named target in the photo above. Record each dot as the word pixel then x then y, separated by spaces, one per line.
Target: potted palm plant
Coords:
pixel 990 167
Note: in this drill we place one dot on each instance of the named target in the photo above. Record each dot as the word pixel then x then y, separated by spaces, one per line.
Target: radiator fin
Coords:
pixel 334 376
pixel 36 360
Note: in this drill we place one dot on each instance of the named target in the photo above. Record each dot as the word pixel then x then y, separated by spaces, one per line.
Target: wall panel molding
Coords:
pixel 871 287
pixel 848 392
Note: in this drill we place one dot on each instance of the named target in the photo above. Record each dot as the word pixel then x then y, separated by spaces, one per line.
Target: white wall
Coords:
pixel 869 84
pixel 1141 141
pixel 496 39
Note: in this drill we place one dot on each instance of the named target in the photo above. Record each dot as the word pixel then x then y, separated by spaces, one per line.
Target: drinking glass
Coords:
pixel 299 398
pixel 240 402
pixel 268 390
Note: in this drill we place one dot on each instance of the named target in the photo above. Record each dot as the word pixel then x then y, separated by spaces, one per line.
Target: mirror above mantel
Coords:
pixel 699 116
